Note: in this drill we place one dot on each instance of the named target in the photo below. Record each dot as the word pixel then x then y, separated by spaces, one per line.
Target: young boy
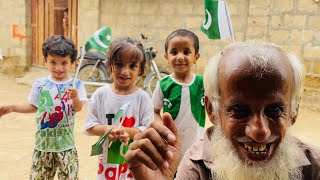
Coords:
pixel 55 99
pixel 181 93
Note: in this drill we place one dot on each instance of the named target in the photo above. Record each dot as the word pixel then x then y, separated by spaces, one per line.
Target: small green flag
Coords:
pixel 100 40
pixel 97 147
pixel 217 23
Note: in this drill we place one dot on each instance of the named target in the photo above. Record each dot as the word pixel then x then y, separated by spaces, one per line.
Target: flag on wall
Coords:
pixel 217 23
pixel 100 40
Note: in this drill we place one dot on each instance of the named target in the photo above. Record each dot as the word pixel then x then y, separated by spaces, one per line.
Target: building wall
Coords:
pixel 15 36
pixel 293 24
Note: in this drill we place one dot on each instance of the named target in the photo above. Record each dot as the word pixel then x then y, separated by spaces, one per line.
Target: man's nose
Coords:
pixel 258 129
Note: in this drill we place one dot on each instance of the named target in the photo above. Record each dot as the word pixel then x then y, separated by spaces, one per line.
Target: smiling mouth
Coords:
pixel 260 149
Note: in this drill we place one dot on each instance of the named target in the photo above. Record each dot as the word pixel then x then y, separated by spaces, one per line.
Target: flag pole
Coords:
pixel 79 65
pixel 230 23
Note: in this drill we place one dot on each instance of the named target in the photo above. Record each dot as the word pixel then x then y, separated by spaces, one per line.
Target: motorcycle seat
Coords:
pixel 94 55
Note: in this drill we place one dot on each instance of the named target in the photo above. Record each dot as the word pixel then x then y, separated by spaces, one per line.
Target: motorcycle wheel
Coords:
pixel 99 75
pixel 151 80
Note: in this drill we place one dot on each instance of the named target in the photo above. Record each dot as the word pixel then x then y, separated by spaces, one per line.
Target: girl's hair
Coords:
pixel 183 33
pixel 120 45
pixel 59 45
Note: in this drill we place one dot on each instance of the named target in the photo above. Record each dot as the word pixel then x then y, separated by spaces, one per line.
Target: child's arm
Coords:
pixel 99 129
pixel 19 108
pixel 131 131
pixel 76 103
pixel 157 116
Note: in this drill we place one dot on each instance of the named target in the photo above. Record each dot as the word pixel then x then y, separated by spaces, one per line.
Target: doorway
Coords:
pixel 52 17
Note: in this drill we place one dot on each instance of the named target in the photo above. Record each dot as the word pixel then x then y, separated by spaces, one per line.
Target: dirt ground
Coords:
pixel 17 134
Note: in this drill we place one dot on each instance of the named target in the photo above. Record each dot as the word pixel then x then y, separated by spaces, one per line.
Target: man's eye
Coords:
pixel 64 63
pixel 274 111
pixel 240 111
pixel 52 62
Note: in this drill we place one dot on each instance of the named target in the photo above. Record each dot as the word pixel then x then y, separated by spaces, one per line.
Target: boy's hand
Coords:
pixel 72 93
pixel 5 110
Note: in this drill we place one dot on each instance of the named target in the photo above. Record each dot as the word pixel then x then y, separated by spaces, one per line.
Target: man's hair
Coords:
pixel 256 53
pixel 183 33
pixel 60 46
pixel 119 45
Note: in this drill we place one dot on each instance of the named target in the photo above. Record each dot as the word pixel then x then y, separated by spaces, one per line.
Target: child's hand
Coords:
pixel 112 136
pixel 5 110
pixel 123 136
pixel 120 134
pixel 72 93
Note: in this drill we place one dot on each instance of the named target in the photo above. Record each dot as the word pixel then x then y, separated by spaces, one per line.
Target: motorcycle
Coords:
pixel 93 71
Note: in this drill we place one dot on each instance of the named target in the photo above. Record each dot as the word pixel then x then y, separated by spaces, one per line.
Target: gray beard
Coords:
pixel 228 166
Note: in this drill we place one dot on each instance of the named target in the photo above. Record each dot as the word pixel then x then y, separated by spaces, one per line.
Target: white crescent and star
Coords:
pixel 44 99
pixel 97 38
pixel 209 21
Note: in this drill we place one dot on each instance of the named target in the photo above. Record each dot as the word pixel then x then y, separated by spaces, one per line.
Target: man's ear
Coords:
pixel 208 105
pixel 293 120
pixel 209 110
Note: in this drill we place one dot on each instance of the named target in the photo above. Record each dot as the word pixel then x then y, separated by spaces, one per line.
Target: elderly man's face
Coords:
pixel 254 106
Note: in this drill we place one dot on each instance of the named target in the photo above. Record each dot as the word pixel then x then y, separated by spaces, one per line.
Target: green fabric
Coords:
pixel 211 7
pixel 197 98
pixel 172 98
pixel 114 156
pixel 100 40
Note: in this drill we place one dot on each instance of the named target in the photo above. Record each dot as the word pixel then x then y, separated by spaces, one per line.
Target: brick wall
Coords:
pixel 293 24
pixel 15 36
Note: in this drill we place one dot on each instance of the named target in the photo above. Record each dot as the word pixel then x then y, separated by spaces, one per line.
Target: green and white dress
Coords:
pixel 185 103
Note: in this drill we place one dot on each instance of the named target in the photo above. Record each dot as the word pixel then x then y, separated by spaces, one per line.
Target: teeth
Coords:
pixel 256 149
pixel 262 147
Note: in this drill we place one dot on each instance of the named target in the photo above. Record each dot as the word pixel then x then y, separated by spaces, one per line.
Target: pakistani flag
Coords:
pixel 217 24
pixel 100 40
pixel 112 151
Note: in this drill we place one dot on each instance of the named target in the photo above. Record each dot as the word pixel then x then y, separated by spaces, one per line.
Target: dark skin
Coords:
pixel 255 105
pixel 155 153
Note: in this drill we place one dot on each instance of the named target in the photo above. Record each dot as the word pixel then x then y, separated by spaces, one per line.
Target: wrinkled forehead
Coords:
pixel 264 71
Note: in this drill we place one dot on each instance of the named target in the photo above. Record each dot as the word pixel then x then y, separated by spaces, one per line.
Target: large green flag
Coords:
pixel 217 23
pixel 100 40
